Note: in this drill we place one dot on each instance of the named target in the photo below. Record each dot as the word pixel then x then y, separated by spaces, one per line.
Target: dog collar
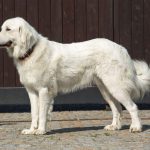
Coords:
pixel 27 54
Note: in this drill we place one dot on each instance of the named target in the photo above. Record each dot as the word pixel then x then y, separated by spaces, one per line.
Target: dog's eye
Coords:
pixel 8 29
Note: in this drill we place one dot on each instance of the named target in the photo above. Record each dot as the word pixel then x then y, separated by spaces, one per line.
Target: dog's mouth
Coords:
pixel 7 44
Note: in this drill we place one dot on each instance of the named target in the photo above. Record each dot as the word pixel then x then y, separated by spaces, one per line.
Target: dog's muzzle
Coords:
pixel 7 44
pixel 4 41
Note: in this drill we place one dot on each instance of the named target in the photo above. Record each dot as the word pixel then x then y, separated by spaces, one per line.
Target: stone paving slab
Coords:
pixel 74 130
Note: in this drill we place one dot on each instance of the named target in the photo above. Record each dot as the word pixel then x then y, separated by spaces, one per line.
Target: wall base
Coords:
pixel 17 100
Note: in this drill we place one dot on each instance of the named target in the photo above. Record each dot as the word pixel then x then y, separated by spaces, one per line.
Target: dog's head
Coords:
pixel 17 36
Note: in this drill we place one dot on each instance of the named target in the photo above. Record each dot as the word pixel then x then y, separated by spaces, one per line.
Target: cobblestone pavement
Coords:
pixel 75 130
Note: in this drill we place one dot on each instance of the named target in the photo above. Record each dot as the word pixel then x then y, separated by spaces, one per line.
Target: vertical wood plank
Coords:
pixel 92 19
pixel 116 21
pixel 80 20
pixel 1 50
pixel 68 21
pixel 125 24
pixel 9 69
pixel 56 20
pixel 147 30
pixel 20 8
pixel 44 17
pixel 137 29
pixel 20 11
pixel 32 13
pixel 106 19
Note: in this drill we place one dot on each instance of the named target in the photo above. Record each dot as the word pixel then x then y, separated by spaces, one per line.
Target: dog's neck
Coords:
pixel 28 53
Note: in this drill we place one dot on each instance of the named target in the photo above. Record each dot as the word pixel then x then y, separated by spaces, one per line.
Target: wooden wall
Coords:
pixel 124 21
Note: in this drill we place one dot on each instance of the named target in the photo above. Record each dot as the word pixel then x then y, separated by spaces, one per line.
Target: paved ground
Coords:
pixel 80 130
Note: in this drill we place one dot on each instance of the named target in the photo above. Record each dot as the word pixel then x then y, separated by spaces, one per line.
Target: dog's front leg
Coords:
pixel 34 100
pixel 44 102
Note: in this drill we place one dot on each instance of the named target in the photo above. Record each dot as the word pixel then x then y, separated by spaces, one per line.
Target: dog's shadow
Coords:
pixel 75 129
pixel 79 129
pixel 144 128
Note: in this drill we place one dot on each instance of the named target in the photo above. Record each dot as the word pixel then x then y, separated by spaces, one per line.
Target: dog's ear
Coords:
pixel 27 36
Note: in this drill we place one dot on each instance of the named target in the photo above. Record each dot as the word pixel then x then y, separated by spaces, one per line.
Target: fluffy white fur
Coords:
pixel 54 67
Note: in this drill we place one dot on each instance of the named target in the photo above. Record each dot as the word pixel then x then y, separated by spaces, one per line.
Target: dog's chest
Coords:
pixel 28 77
pixel 31 76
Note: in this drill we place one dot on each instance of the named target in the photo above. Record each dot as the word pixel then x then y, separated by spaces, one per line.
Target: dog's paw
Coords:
pixel 112 127
pixel 135 129
pixel 40 132
pixel 28 131
pixel 33 131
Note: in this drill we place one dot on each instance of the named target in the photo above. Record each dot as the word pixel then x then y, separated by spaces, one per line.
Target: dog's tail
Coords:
pixel 143 75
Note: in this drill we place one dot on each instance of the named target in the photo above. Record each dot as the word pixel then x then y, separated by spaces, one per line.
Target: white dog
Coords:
pixel 47 68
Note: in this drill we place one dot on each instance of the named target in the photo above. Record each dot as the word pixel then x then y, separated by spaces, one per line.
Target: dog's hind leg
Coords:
pixel 114 105
pixel 122 96
pixel 116 110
